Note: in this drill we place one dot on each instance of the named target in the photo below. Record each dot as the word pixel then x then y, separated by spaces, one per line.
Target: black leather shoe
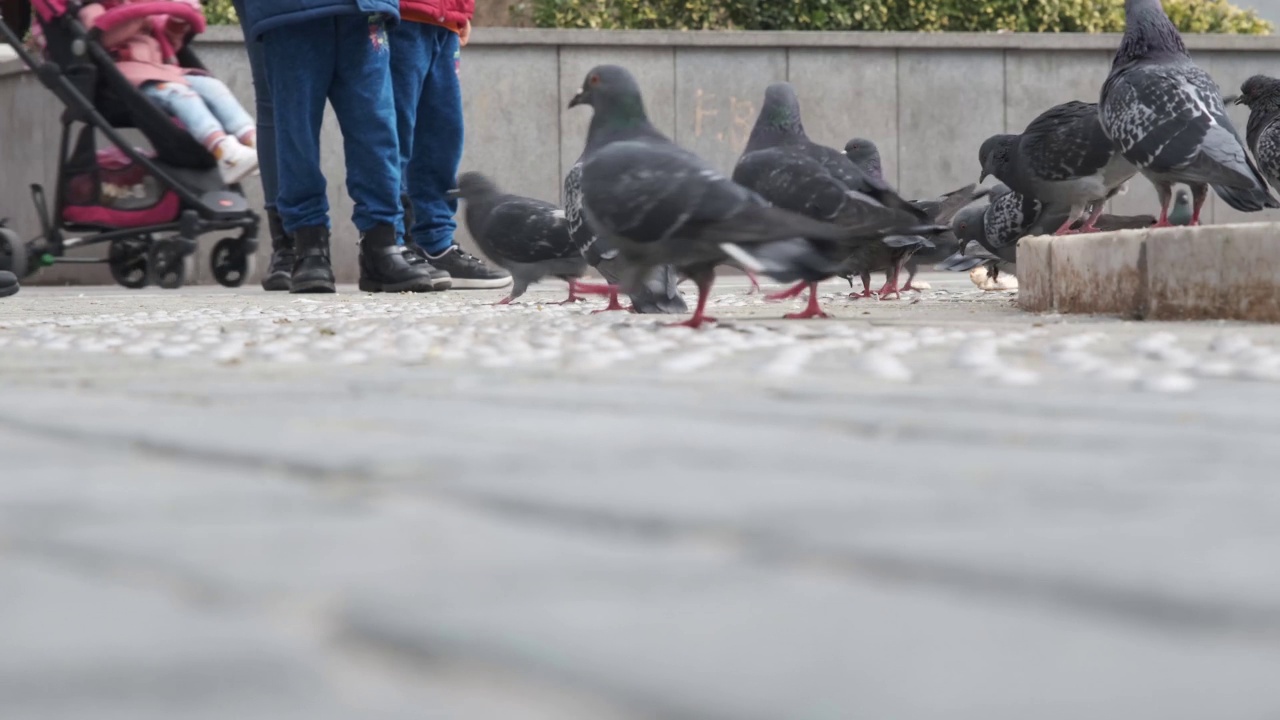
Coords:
pixel 279 272
pixel 312 271
pixel 384 267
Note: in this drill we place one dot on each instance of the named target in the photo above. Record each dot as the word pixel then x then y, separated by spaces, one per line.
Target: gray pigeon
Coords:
pixel 793 180
pixel 1167 117
pixel 658 294
pixel 1063 159
pixel 529 238
pixel 1180 213
pixel 866 156
pixel 1262 95
pixel 996 228
pixel 656 203
pixel 779 125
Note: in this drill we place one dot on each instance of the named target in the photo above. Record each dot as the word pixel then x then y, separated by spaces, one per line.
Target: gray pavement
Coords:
pixel 228 504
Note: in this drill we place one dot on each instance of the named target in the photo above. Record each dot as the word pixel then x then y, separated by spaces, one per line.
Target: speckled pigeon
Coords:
pixel 658 294
pixel 656 203
pixel 1063 159
pixel 527 237
pixel 1262 95
pixel 1167 117
pixel 999 226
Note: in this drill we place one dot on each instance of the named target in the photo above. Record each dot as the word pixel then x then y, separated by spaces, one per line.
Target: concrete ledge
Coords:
pixel 1214 272
pixel 793 38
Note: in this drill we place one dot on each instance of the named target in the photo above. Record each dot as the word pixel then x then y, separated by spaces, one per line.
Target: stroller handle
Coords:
pixel 121 14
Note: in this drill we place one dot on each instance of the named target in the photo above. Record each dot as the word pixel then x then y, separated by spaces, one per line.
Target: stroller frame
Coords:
pixel 161 253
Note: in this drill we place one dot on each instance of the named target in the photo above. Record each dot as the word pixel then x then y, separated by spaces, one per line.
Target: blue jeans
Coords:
pixel 266 115
pixel 345 60
pixel 424 72
pixel 205 105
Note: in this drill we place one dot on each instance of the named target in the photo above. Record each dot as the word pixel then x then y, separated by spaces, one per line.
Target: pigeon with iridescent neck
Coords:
pixel 1262 96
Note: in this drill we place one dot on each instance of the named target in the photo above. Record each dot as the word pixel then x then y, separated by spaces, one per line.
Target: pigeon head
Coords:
pixel 996 154
pixel 1148 32
pixel 1261 92
pixel 968 223
pixel 610 88
pixel 998 191
pixel 779 119
pixel 865 155
pixel 473 186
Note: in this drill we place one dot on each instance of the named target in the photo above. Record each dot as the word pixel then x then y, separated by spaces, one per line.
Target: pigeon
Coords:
pixel 657 295
pixel 655 203
pixel 793 179
pixel 780 125
pixel 1167 117
pixel 866 156
pixel 1064 159
pixel 529 238
pixel 1180 214
pixel 1262 96
pixel 996 229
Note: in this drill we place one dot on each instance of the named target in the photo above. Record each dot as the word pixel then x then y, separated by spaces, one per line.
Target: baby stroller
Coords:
pixel 149 206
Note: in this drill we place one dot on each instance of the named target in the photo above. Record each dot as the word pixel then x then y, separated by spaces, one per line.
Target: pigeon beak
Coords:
pixel 984 175
pixel 582 98
pixel 1234 99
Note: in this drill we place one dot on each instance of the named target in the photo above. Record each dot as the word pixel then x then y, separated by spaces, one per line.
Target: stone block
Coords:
pixel 718 95
pixel 1035 274
pixel 1100 273
pixel 940 127
pixel 1215 272
pixel 843 95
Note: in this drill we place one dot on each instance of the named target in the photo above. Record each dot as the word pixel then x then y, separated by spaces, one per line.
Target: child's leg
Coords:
pixel 224 106
pixel 437 144
pixel 184 104
pixel 266 140
pixel 363 102
pixel 301 59
pixel 412 49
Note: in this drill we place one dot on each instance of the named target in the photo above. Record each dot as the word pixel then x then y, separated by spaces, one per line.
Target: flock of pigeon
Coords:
pixel 646 213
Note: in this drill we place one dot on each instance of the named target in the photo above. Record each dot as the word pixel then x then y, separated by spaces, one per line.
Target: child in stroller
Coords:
pixel 145 50
pixel 122 66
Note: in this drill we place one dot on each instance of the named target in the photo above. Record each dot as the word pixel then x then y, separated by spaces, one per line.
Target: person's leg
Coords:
pixel 235 161
pixel 411 54
pixel 432 170
pixel 364 104
pixel 225 107
pixel 437 143
pixel 301 66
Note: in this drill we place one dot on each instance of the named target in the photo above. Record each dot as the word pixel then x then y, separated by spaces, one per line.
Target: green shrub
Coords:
pixel 1196 16
pixel 219 12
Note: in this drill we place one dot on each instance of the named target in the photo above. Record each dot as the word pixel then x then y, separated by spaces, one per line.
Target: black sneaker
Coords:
pixel 418 257
pixel 469 272
pixel 8 283
pixel 384 267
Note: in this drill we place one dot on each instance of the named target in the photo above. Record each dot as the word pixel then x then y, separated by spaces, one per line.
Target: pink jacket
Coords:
pixel 144 48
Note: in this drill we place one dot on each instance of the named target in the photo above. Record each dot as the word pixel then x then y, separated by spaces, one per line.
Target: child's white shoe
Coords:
pixel 235 161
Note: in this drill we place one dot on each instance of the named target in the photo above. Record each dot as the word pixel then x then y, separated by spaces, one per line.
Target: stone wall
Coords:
pixel 928 100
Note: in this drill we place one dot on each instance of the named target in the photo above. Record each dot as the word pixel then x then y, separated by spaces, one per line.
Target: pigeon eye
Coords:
pixel 595 80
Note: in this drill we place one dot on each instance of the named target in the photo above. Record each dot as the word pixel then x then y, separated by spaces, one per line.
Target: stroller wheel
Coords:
pixel 127 260
pixel 232 263
pixel 167 263
pixel 13 253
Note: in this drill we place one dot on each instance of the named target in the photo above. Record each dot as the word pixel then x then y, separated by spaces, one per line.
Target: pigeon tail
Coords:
pixel 786 261
pixel 1246 200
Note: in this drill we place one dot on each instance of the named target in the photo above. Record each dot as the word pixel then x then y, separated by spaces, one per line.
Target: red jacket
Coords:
pixel 450 13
